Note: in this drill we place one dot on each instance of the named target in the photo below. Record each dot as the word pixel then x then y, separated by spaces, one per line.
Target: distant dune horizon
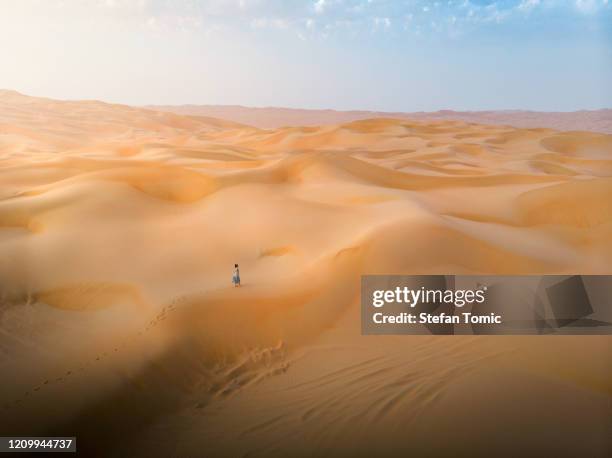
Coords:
pixel 274 117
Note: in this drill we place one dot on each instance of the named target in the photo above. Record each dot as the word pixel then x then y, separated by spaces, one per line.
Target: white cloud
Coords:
pixel 269 23
pixel 528 5
pixel 589 6
pixel 382 22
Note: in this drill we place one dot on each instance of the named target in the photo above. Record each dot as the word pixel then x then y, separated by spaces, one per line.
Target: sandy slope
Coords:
pixel 119 228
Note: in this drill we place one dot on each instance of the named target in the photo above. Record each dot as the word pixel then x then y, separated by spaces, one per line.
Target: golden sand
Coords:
pixel 119 229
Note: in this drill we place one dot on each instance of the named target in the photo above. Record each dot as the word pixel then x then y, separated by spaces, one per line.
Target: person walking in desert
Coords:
pixel 236 277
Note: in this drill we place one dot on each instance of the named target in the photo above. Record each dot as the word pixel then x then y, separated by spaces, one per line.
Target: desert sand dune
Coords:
pixel 273 117
pixel 119 228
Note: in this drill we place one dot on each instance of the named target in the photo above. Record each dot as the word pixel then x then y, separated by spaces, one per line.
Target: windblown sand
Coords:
pixel 119 229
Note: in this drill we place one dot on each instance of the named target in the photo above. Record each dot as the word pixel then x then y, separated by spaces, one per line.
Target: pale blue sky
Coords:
pixel 346 54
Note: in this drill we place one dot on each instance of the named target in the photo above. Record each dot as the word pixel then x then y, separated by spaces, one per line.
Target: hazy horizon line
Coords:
pixel 281 107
